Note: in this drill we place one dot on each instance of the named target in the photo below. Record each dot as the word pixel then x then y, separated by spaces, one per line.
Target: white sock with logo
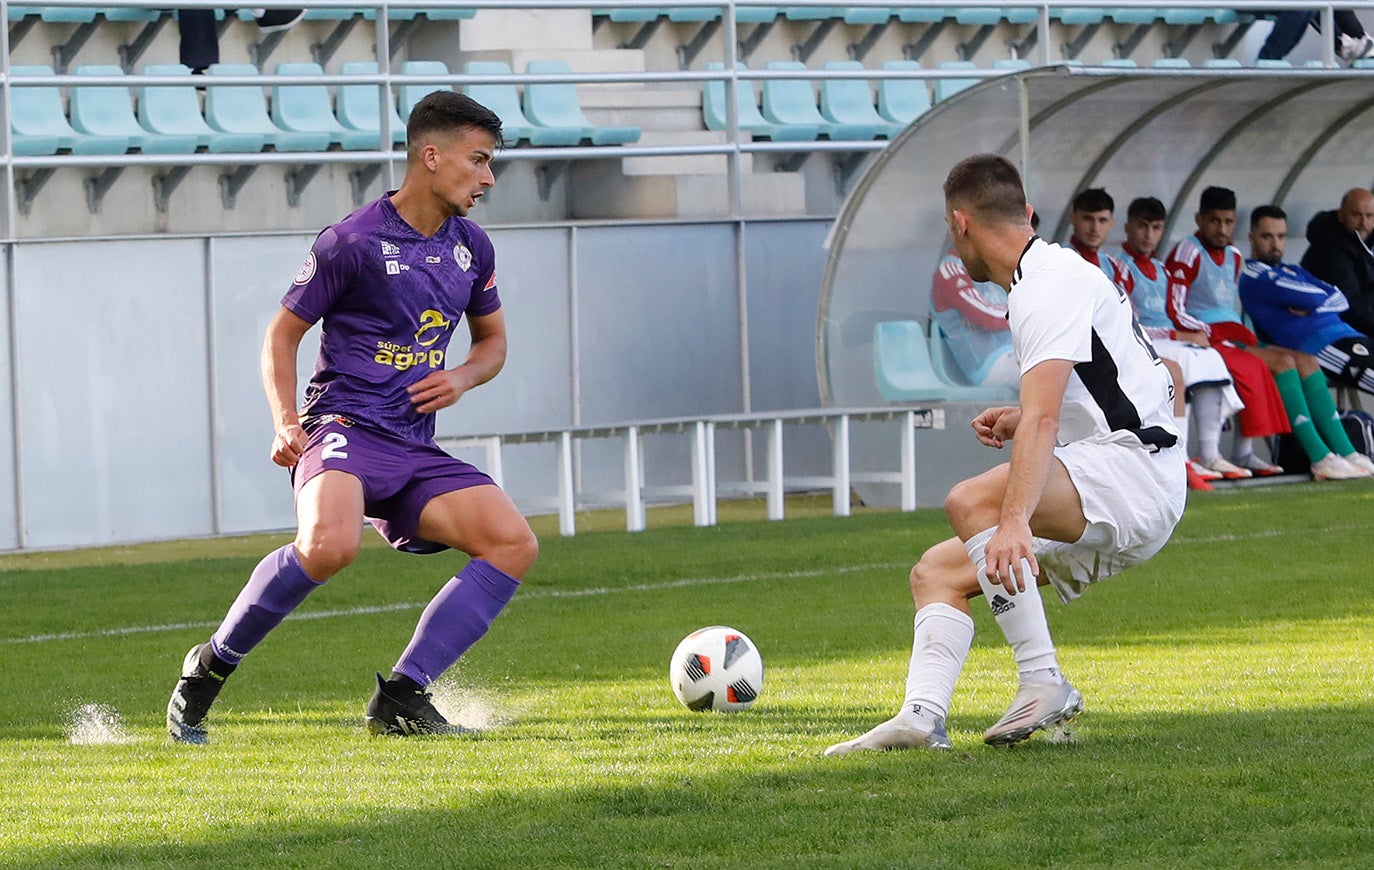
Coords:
pixel 1021 617
pixel 942 637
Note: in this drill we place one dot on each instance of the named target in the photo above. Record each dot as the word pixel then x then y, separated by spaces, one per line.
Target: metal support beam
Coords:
pixel 1176 47
pixel 634 481
pixel 361 178
pixel 130 52
pixel 846 165
pixel 297 180
pixel 259 52
pixel 62 55
pixel 775 471
pixel 22 26
pixel 547 175
pixel 401 34
pixel 688 51
pixel 804 50
pixel 323 51
pixel 840 467
pixel 791 162
pixel 164 184
pixel 967 50
pixel 567 504
pixel 1126 48
pixel 1224 47
pixel 642 36
pixel 230 183
pixel 26 189
pixel 98 185
pixel 859 50
pixel 913 51
pixel 1026 44
pixel 1075 46
pixel 751 42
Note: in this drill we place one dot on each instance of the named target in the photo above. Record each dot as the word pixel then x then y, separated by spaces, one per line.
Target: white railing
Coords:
pixel 706 489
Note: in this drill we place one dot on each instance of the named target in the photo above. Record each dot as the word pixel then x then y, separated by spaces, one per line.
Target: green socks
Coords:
pixel 1324 414
pixel 1295 403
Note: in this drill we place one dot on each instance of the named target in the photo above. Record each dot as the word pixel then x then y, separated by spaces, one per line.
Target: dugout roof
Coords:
pixel 1294 137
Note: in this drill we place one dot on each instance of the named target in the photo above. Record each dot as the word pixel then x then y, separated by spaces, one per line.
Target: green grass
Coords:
pixel 1229 720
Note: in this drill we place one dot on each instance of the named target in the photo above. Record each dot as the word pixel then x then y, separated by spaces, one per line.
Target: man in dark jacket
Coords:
pixel 1341 252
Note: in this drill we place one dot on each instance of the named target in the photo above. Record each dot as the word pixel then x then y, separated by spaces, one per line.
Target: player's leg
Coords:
pixel 329 510
pixel 1326 457
pixel 1350 361
pixel 1043 697
pixel 1325 416
pixel 482 522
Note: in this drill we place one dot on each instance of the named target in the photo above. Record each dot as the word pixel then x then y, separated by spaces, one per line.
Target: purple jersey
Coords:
pixel 390 299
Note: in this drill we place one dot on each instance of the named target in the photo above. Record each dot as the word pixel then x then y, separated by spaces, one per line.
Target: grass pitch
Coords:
pixel 1228 684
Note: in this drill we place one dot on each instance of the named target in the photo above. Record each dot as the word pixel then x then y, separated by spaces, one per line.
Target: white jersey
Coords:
pixel 1062 307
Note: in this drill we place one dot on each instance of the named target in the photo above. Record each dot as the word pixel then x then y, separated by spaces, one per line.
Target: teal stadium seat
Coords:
pixel 946 88
pixel 1121 62
pixel 1129 15
pixel 555 104
pixel 396 14
pixel 360 106
pixel 129 13
pixel 67 14
pixel 1272 63
pixel 409 95
pixel 504 100
pixel 848 103
pixel 791 103
pixel 175 110
pixel 105 110
pixel 1011 64
pixel 1221 63
pixel 757 14
pixel 812 13
pixel 923 14
pixel 36 115
pixel 307 109
pixel 867 15
pixel 751 120
pixel 905 369
pixel 901 101
pixel 948 371
pixel 243 109
pixel 1077 15
pixel 1172 63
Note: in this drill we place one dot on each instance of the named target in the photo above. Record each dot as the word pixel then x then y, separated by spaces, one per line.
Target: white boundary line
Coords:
pixel 540 594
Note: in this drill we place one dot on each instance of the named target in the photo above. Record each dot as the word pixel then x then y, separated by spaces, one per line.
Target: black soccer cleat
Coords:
pixel 404 712
pixel 194 693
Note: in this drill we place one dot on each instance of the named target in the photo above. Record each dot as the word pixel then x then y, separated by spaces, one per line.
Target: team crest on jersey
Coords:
pixel 307 269
pixel 462 256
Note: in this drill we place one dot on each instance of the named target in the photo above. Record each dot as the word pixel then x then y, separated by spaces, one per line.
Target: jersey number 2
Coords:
pixel 334 444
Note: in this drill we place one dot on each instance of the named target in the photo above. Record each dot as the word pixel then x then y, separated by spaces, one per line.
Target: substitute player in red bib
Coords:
pixel 390 283
pixel 1096 481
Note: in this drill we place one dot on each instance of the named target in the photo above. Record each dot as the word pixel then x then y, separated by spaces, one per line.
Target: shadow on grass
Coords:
pixel 1236 789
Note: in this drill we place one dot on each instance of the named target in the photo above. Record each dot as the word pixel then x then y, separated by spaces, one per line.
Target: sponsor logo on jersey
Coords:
pixel 393 267
pixel 432 324
pixel 462 256
pixel 434 259
pixel 432 327
pixel 307 269
pixel 390 250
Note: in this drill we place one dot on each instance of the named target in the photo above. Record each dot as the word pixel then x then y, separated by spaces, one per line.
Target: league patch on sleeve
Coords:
pixel 307 269
pixel 491 282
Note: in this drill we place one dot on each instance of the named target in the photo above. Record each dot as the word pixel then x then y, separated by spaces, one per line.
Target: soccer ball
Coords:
pixel 716 668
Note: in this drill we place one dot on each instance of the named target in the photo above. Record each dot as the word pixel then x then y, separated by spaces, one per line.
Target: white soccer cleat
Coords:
pixel 1203 472
pixel 1035 707
pixel 895 733
pixel 1258 467
pixel 1228 470
pixel 1359 460
pixel 1333 467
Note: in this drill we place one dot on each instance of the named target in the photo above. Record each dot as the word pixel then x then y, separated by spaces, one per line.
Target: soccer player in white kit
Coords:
pixel 1096 481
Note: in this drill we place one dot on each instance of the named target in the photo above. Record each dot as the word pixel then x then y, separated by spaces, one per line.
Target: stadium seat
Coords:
pixel 307 109
pixel 946 88
pixel 243 109
pixel 1011 63
pixel 360 106
pixel 1133 15
pixel 1221 63
pixel 942 361
pixel 901 101
pixel 504 100
pixel 549 104
pixel 923 14
pixel 751 120
pixel 1122 62
pixel 1172 63
pixel 1272 63
pixel 129 13
pixel 395 14
pixel 1077 14
pixel 409 95
pixel 905 369
pixel 67 14
pixel 792 103
pixel 36 115
pixel 105 110
pixel 848 104
pixel 756 14
pixel 812 13
pixel 175 110
pixel 868 15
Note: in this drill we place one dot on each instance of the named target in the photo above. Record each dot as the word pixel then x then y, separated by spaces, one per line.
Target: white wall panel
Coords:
pixel 9 521
pixel 112 391
pixel 250 276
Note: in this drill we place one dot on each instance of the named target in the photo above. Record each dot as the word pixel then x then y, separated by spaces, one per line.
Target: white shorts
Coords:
pixel 1132 499
pixel 1202 367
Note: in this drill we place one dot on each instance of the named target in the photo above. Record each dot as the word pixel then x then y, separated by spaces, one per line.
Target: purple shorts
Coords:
pixel 399 477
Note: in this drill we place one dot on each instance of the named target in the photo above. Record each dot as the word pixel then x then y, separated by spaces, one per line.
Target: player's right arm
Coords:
pixel 1181 269
pixel 279 349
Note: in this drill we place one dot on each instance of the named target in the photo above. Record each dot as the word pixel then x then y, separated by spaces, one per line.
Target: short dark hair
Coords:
pixel 1217 199
pixel 1147 208
pixel 1093 199
pixel 447 112
pixel 1267 211
pixel 989 187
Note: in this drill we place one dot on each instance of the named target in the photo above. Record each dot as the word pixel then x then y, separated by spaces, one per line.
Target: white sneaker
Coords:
pixel 1228 470
pixel 1333 467
pixel 1353 49
pixel 1035 707
pixel 1359 460
pixel 895 733
pixel 1203 471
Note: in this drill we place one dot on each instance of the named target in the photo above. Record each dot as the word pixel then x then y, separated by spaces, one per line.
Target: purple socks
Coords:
pixel 457 617
pixel 277 586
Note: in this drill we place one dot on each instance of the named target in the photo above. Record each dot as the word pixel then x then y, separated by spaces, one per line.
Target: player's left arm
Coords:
pixel 1032 452
pixel 485 358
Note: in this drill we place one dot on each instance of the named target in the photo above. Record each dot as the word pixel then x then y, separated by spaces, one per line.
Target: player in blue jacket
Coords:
pixel 1293 309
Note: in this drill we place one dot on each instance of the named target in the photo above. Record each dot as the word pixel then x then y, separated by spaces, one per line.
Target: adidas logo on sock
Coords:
pixel 1001 604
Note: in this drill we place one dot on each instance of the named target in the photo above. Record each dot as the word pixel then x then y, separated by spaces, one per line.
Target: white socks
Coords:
pixel 1021 617
pixel 942 638
pixel 1208 410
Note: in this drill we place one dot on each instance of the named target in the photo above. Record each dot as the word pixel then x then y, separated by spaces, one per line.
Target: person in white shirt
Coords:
pixel 1096 481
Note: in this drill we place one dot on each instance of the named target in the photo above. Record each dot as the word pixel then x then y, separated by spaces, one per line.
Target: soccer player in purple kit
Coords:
pixel 390 282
